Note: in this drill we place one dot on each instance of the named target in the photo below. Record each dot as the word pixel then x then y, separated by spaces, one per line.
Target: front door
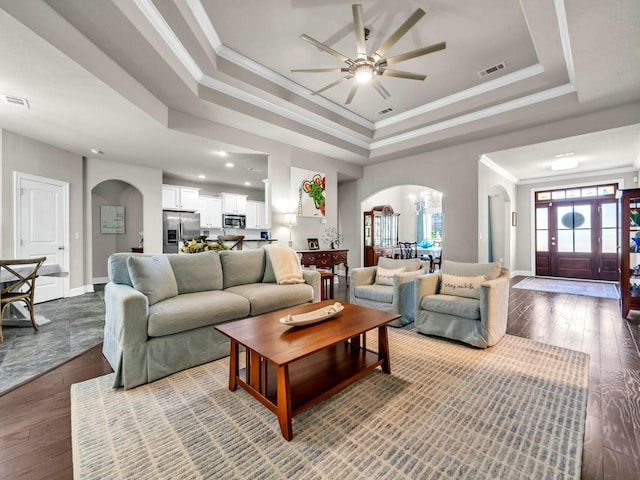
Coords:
pixel 577 238
pixel 41 205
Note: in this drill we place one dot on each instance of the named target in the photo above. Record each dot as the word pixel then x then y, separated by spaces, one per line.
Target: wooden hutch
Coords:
pixel 380 233
pixel 629 224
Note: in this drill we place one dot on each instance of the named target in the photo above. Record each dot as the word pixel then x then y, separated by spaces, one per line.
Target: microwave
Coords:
pixel 234 221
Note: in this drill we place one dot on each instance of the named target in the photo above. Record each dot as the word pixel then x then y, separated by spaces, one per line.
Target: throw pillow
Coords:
pixel 153 276
pixel 461 286
pixel 384 276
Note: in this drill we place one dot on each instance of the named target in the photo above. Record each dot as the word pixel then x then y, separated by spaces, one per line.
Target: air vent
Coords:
pixel 491 70
pixel 385 111
pixel 21 102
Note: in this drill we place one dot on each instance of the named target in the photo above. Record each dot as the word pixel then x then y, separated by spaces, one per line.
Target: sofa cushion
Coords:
pixel 193 310
pixel 118 268
pixel 384 276
pixel 452 305
pixel 491 270
pixel 268 297
pixel 240 267
pixel 410 264
pixel 152 276
pixel 377 293
pixel 461 286
pixel 197 272
pixel 269 275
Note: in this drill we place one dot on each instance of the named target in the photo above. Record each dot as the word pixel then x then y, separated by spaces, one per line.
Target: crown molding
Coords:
pixel 164 30
pixel 478 115
pixel 498 169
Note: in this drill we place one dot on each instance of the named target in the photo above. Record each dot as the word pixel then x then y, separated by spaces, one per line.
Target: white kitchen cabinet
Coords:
pixel 210 209
pixel 234 203
pixel 179 198
pixel 256 214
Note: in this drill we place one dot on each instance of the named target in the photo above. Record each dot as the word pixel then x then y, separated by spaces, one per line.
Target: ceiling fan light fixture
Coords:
pixel 363 73
pixel 564 164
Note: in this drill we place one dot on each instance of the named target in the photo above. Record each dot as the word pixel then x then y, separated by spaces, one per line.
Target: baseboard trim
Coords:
pixel 100 280
pixel 74 292
pixel 525 273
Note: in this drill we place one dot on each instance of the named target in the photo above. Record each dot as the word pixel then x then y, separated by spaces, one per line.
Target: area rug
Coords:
pixel 573 287
pixel 516 411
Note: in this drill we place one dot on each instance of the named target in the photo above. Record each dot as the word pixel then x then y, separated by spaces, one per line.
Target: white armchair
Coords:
pixel 467 302
pixel 381 288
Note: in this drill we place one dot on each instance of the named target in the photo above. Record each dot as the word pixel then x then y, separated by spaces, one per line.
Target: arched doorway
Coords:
pixel 419 210
pixel 500 224
pixel 105 241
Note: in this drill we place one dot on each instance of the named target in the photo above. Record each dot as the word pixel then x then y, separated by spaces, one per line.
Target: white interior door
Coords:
pixel 41 206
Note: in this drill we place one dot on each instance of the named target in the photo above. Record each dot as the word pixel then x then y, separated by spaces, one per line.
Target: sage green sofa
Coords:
pixel 161 309
pixel 467 302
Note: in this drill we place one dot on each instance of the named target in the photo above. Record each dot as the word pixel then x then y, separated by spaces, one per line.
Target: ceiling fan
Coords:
pixel 365 68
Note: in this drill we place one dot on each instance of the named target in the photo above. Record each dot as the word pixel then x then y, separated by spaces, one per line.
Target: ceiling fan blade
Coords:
pixel 387 72
pixel 351 94
pixel 326 48
pixel 358 27
pixel 399 33
pixel 332 84
pixel 415 53
pixel 320 70
pixel 380 89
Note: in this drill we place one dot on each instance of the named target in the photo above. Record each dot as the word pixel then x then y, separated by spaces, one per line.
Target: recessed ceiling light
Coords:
pixel 229 165
pixel 564 164
pixel 96 151
pixel 247 183
pixel 565 155
pixel 202 176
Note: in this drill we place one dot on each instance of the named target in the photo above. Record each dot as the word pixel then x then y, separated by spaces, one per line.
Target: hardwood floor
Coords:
pixel 35 419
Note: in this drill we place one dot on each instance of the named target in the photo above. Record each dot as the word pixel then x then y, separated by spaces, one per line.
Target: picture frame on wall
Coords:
pixel 313 244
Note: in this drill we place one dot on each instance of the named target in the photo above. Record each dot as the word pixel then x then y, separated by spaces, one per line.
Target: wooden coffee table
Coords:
pixel 289 369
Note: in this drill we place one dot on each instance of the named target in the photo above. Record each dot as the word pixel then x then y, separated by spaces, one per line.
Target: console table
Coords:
pixel 325 259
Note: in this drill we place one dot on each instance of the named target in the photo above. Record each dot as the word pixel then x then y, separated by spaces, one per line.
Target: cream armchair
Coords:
pixel 467 302
pixel 381 288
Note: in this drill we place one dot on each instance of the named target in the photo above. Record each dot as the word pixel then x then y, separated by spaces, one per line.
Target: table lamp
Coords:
pixel 291 220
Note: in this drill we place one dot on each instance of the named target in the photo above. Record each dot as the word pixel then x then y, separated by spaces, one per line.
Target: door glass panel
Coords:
pixel 608 215
pixel 565 218
pixel 542 229
pixel 565 240
pixel 583 241
pixel 542 218
pixel 582 216
pixel 542 241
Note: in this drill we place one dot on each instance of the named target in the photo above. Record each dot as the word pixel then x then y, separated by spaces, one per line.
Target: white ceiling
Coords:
pixel 120 75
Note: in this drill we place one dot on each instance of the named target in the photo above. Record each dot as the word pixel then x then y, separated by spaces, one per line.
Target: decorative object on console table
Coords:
pixel 331 238
pixel 312 244
pixel 290 220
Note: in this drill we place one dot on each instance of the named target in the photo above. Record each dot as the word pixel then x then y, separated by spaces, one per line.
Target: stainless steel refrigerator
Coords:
pixel 179 227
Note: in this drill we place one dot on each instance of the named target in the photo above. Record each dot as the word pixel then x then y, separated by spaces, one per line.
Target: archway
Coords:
pixel 500 226
pixel 105 242
pixel 414 203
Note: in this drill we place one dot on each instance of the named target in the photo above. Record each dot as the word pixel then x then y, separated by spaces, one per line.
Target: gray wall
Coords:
pixel 457 173
pixel 23 154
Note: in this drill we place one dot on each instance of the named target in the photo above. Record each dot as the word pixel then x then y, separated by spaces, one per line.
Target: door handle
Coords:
pixel 61 247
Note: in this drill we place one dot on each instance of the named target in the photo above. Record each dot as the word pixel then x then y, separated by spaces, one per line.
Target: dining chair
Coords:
pixel 435 262
pixel 408 249
pixel 19 285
